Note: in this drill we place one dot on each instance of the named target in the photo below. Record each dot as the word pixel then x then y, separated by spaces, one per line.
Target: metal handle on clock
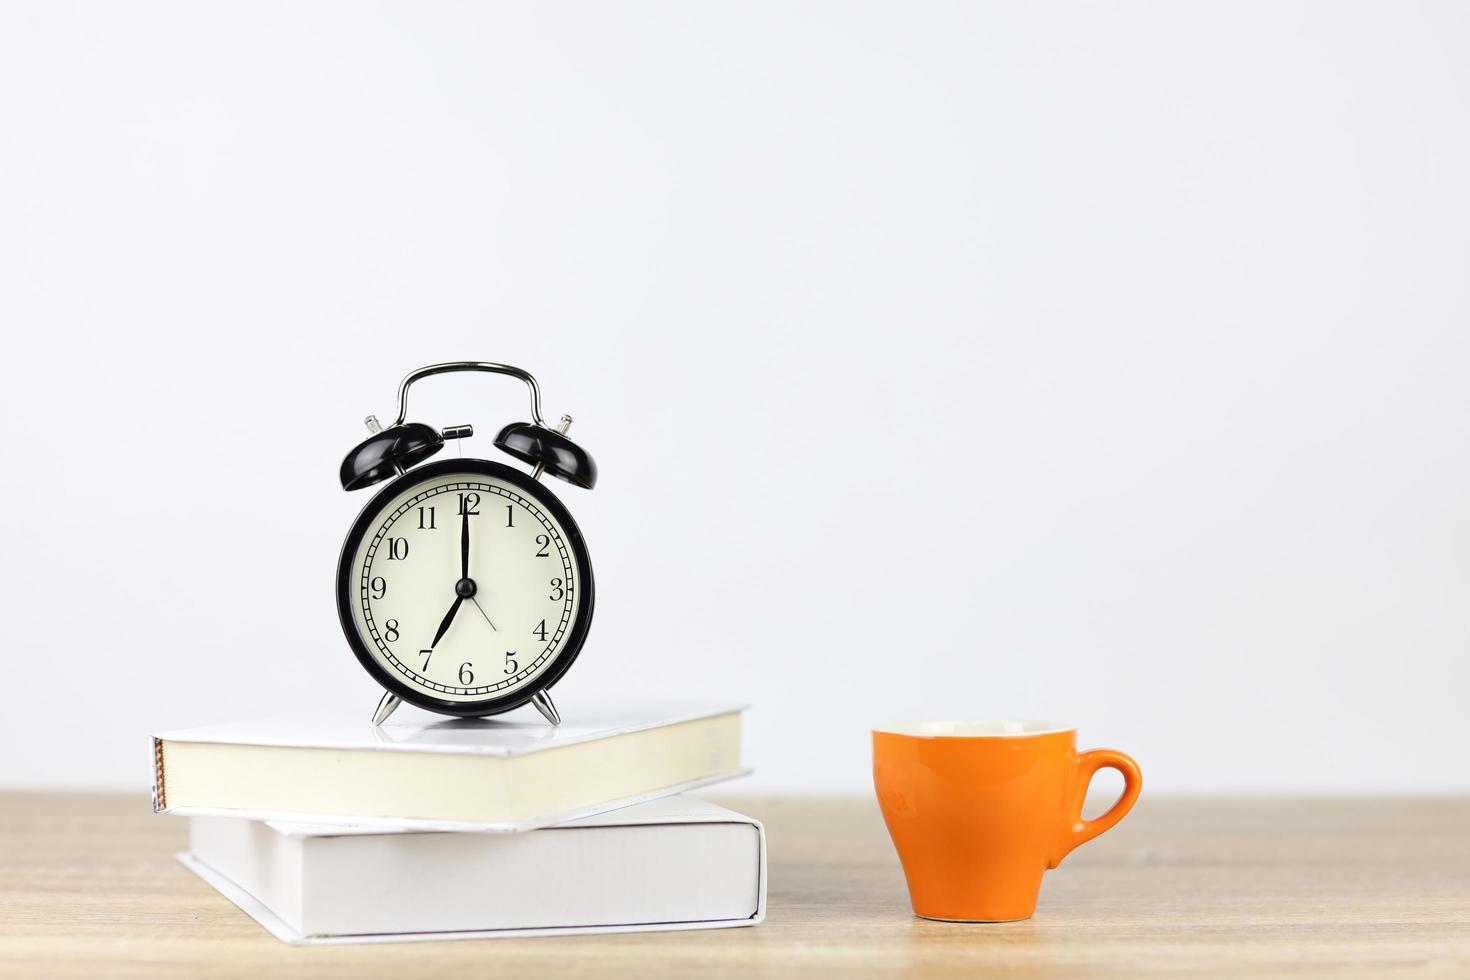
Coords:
pixel 449 367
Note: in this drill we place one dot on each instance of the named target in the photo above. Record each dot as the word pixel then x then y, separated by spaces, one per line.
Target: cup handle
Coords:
pixel 1078 831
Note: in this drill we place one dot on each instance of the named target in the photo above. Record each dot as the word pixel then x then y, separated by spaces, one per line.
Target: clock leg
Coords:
pixel 386 707
pixel 543 704
pixel 541 699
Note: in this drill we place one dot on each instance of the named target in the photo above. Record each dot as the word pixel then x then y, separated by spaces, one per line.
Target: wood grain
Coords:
pixel 89 888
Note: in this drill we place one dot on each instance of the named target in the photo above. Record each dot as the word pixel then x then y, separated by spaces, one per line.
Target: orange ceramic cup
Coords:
pixel 980 809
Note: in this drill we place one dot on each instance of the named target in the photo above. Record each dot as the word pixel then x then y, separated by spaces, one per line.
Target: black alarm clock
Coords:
pixel 464 586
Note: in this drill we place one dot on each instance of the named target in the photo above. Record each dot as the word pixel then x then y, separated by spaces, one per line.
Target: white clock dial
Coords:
pixel 460 629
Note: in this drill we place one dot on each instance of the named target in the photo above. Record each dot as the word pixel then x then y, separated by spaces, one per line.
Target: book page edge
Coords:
pixel 200 736
pixel 493 827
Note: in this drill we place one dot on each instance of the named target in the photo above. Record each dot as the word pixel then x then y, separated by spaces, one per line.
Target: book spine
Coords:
pixel 160 800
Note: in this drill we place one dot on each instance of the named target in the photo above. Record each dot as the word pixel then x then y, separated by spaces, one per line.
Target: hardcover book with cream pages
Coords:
pixel 427 772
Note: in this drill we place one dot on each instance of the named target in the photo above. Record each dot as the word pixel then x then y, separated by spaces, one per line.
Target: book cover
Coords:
pixel 676 863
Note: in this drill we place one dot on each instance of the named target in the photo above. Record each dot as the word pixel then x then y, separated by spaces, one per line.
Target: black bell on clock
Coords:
pixel 387 453
pixel 550 451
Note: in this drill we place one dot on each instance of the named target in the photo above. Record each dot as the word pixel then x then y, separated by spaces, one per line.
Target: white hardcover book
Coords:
pixel 676 863
pixel 428 772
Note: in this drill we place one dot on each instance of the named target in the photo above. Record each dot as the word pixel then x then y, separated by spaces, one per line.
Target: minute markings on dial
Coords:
pixel 528 665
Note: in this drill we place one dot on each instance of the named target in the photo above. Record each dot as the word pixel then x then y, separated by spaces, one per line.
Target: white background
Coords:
pixel 1098 362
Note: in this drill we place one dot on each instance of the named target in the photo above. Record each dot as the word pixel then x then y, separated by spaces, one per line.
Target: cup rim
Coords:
pixel 972 728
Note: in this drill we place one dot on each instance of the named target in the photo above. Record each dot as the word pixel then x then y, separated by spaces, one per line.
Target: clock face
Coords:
pixel 465 583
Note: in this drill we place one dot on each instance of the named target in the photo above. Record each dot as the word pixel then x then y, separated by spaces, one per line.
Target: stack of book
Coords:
pixel 329 829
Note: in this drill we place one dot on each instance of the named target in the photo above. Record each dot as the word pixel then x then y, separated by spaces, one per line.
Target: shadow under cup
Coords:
pixel 979 810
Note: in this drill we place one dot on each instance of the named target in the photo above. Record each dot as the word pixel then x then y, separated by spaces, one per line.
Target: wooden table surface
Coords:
pixel 89 888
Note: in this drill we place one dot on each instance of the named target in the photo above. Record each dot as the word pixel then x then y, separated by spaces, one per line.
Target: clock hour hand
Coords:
pixel 449 618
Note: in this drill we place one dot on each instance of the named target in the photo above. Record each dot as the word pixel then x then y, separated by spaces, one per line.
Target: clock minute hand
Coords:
pixel 464 541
